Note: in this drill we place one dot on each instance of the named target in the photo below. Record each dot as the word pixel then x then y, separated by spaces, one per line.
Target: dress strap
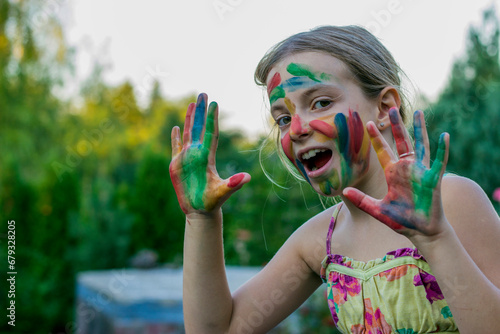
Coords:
pixel 333 220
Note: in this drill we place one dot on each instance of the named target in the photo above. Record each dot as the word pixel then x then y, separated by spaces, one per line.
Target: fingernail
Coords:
pixel 235 180
pixel 212 106
pixel 393 115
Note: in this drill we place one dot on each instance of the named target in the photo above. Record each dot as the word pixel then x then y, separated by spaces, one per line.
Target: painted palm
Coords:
pixel 413 201
pixel 192 170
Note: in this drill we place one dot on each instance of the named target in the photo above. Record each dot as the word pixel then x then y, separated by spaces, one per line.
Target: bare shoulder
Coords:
pixel 310 238
pixel 463 199
pixel 475 221
pixel 317 224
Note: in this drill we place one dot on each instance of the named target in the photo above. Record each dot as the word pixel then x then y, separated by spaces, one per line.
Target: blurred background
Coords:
pixel 89 92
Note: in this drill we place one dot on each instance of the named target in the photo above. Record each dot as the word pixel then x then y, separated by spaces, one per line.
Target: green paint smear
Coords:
pixel 446 312
pixel 332 183
pixel 424 186
pixel 346 172
pixel 277 93
pixel 406 331
pixel 304 71
pixel 335 181
pixel 196 176
pixel 196 162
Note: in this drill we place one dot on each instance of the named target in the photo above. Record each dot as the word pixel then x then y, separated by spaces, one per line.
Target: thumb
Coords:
pixel 231 185
pixel 371 206
pixel 360 199
pixel 237 181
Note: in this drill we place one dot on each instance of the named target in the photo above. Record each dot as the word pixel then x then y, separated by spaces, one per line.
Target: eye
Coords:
pixel 321 104
pixel 283 120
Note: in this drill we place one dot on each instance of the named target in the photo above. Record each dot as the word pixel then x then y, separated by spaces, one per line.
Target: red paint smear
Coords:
pixel 286 143
pixel 368 206
pixel 296 126
pixel 235 180
pixel 323 128
pixel 176 182
pixel 275 81
pixel 356 132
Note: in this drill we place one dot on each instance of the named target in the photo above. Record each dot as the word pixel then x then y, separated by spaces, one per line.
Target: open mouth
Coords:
pixel 316 158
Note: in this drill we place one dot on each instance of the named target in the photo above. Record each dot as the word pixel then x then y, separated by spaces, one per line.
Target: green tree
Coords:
pixel 263 214
pixel 159 222
pixel 469 107
pixel 33 59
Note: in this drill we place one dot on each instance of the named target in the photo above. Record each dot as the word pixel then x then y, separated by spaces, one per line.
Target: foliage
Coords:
pixel 87 183
pixel 469 108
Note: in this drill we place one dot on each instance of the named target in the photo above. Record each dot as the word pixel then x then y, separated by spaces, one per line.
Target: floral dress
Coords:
pixel 396 294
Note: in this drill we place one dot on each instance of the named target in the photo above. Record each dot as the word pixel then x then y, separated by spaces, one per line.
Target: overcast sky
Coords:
pixel 213 46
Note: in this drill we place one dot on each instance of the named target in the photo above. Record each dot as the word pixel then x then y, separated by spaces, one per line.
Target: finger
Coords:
pixel 371 206
pixel 176 141
pixel 199 117
pixel 234 183
pixel 211 132
pixel 384 153
pixel 439 165
pixel 361 200
pixel 188 124
pixel 219 192
pixel 399 132
pixel 421 138
pixel 238 180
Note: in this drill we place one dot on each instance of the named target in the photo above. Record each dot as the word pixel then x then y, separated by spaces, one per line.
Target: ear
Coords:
pixel 387 99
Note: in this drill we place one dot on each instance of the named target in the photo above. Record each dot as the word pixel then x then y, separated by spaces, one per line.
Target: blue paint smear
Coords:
pixel 199 119
pixel 296 83
pixel 419 140
pixel 343 134
pixel 329 188
pixel 397 211
pixel 302 170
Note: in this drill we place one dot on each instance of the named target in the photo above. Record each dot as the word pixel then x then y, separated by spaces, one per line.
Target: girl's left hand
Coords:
pixel 412 205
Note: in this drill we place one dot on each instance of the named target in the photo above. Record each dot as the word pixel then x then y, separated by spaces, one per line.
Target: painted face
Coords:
pixel 321 114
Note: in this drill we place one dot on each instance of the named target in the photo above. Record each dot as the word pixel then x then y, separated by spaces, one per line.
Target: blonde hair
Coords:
pixel 371 64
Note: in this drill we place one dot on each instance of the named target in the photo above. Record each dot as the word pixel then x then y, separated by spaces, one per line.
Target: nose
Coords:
pixel 298 128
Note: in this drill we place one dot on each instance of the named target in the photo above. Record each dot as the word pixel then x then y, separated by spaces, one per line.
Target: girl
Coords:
pixel 419 251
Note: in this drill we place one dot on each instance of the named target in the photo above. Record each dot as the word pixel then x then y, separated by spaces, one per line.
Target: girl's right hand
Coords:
pixel 192 169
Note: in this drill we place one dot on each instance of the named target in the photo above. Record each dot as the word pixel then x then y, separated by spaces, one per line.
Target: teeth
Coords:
pixel 311 153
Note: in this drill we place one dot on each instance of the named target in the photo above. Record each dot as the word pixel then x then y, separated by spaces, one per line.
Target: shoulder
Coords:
pixel 463 198
pixel 317 223
pixel 309 240
pixel 475 221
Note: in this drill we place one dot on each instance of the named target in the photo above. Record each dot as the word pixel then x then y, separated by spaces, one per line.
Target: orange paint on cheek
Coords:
pixel 365 146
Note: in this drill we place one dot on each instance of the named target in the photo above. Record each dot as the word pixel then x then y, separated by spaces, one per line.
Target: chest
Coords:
pixel 367 241
pixel 386 295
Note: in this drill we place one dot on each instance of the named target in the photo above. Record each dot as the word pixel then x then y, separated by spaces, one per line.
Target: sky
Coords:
pixel 213 46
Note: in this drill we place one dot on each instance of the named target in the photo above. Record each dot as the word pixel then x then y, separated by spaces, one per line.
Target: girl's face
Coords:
pixel 321 113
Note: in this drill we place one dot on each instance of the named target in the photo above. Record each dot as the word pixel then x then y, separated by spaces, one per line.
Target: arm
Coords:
pixel 465 259
pixel 450 221
pixel 267 298
pixel 201 193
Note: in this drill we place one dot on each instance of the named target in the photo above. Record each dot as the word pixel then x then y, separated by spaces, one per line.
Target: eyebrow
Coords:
pixel 277 108
pixel 315 88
